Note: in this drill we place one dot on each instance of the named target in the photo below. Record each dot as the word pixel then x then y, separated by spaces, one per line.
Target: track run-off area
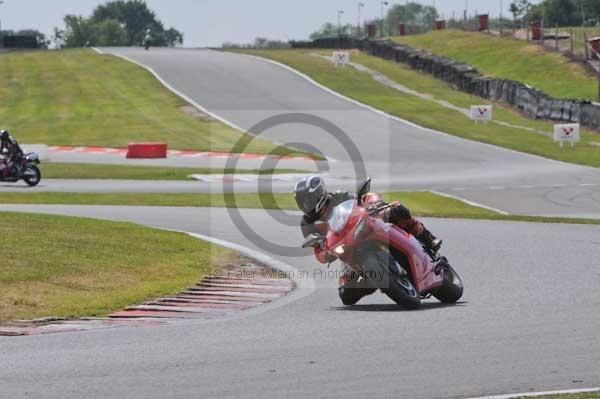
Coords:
pixel 528 320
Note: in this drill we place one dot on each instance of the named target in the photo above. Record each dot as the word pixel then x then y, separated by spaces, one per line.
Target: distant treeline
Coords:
pixel 560 12
pixel 259 42
pixel 39 36
pixel 116 23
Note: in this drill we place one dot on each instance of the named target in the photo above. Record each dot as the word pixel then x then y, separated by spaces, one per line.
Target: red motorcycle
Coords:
pixel 393 260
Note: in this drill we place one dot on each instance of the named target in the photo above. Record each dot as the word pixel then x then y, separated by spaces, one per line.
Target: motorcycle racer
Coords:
pixel 316 202
pixel 13 152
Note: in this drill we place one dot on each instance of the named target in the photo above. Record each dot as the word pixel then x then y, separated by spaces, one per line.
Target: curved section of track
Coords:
pixel 526 323
pixel 247 90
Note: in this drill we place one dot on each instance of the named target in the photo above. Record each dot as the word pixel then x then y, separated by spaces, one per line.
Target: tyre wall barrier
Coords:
pixel 535 103
pixel 147 150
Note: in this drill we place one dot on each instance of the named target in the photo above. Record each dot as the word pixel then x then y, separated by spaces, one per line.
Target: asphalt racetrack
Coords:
pixel 248 91
pixel 528 320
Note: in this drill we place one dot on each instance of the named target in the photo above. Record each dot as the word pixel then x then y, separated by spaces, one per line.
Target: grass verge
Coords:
pixel 510 59
pixel 422 204
pixel 73 267
pixel 80 98
pixel 362 87
pixel 128 172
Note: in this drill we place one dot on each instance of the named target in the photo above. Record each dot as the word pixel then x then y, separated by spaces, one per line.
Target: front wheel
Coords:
pixel 32 175
pixel 383 270
pixel 452 289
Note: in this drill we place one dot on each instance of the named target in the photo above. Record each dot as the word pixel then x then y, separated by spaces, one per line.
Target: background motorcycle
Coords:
pixel 26 169
pixel 393 260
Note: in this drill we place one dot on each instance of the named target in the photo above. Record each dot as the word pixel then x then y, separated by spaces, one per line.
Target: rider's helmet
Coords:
pixel 310 194
pixel 4 135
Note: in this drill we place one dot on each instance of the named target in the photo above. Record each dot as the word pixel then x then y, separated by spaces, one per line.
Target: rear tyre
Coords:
pixel 33 179
pixel 383 270
pixel 452 289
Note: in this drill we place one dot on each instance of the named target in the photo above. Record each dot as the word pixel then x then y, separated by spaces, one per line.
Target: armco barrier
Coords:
pixel 464 77
pixel 147 150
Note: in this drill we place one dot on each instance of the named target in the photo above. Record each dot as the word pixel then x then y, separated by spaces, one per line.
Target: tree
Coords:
pixel 78 31
pixel 514 10
pixel 263 42
pixel 331 30
pixel 561 13
pixel 411 14
pixel 108 33
pixel 119 23
pixel 136 17
pixel 519 8
pixel 172 37
pixel 565 12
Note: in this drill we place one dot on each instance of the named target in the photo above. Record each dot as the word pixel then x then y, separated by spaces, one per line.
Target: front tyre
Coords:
pixel 32 175
pixel 452 289
pixel 383 270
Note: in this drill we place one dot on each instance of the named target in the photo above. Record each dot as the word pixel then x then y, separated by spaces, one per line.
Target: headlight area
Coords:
pixel 340 250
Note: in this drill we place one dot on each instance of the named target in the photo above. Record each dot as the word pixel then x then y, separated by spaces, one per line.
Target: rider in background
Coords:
pixel 9 147
pixel 316 203
pixel 148 38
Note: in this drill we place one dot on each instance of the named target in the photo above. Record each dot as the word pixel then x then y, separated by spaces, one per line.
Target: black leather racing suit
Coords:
pixel 13 152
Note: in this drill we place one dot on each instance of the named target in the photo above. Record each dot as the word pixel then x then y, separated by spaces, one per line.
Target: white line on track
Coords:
pixel 538 394
pixel 396 118
pixel 184 96
pixel 173 89
pixel 522 186
pixel 306 283
pixel 468 202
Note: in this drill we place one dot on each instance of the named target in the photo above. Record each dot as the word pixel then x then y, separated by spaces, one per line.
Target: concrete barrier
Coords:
pixel 535 103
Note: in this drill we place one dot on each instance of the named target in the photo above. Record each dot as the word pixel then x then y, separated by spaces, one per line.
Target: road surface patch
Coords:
pixel 211 298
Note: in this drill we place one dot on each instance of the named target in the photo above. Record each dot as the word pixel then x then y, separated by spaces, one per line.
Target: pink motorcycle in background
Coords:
pixel 393 260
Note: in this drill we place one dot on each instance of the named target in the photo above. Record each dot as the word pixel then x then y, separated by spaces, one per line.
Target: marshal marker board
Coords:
pixel 569 133
pixel 341 58
pixel 481 113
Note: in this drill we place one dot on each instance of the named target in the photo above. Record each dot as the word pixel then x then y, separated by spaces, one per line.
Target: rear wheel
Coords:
pixel 452 289
pixel 32 175
pixel 382 269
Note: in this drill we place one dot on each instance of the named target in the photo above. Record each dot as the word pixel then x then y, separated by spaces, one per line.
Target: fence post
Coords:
pixel 585 46
pixel 572 46
pixel 543 36
pixel 598 76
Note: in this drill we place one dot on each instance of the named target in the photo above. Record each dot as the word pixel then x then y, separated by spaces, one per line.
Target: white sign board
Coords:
pixel 341 58
pixel 567 132
pixel 481 113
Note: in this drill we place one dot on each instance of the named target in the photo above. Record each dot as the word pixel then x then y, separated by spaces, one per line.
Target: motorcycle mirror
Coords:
pixel 311 241
pixel 364 188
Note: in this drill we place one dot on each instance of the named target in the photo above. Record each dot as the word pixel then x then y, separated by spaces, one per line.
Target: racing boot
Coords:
pixel 353 287
pixel 431 242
